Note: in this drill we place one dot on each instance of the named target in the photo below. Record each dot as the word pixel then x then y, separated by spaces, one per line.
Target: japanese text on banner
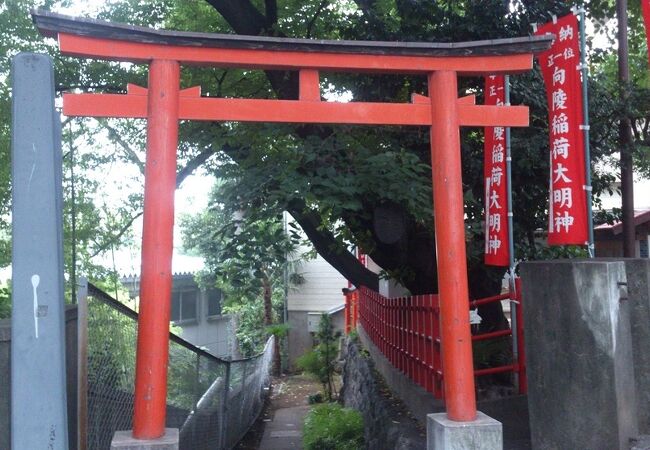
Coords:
pixel 494 173
pixel 567 221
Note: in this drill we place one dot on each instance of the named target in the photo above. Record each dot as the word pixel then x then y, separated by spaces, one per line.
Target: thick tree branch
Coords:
pixel 192 165
pixel 318 12
pixel 241 15
pixel 186 171
pixel 271 7
pixel 330 249
pixel 116 238
pixel 130 153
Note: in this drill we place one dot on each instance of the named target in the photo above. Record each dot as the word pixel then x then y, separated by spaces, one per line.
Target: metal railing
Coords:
pixel 407 331
pixel 212 401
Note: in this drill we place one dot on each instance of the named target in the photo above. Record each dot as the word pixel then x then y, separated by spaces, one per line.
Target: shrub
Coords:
pixel 332 427
pixel 321 361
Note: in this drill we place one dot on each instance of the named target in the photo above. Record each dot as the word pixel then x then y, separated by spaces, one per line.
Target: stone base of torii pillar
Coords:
pixel 483 433
pixel 124 440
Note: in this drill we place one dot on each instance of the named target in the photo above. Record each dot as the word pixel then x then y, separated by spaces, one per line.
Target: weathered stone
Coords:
pixel 638 289
pixel 484 433
pixel 579 354
pixel 640 443
pixel 388 424
pixel 124 440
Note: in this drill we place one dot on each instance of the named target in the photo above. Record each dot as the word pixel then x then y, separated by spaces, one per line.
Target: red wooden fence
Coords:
pixel 407 331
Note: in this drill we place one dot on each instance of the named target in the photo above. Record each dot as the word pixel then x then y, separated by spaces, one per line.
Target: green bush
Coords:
pixel 332 427
pixel 321 361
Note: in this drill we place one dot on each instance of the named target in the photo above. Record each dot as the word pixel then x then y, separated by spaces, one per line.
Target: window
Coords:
pixel 214 302
pixel 184 306
pixel 643 248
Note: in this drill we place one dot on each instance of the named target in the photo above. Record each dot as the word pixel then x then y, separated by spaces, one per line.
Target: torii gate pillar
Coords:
pixel 157 248
pixel 448 206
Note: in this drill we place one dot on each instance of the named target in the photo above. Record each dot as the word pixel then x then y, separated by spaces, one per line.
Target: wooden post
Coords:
pixel 157 246
pixel 449 215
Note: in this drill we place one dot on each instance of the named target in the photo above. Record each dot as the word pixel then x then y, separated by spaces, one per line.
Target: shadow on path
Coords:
pixel 280 425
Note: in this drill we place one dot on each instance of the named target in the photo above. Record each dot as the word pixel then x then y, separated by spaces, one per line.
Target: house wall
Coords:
pixel 321 290
pixel 216 334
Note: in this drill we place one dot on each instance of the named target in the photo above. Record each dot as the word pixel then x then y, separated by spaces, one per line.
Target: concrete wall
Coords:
pixel 215 334
pixel 638 289
pixel 71 378
pixel 579 354
pixel 300 340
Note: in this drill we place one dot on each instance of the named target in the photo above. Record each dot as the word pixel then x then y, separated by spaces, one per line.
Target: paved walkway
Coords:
pixel 283 425
pixel 285 430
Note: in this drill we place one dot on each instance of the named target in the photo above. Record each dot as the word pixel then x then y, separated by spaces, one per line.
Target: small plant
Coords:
pixel 315 398
pixel 332 427
pixel 321 361
pixel 354 335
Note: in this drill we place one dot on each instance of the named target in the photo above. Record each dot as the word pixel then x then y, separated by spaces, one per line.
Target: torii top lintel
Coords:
pixel 97 39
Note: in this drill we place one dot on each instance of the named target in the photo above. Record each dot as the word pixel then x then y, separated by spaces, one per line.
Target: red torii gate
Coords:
pixel 163 104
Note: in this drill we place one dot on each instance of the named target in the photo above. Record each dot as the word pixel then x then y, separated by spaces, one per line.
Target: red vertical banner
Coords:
pixel 567 211
pixel 494 175
pixel 645 7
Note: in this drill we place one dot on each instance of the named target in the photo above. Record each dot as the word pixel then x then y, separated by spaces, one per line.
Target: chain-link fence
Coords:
pixel 213 402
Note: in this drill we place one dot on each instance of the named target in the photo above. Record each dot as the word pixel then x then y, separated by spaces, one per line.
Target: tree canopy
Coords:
pixel 368 186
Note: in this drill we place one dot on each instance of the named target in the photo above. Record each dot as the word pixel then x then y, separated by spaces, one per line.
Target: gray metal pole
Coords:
pixel 585 128
pixel 511 240
pixel 38 391
pixel 82 364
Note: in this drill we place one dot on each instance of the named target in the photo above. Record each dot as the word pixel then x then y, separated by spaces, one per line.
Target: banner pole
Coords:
pixel 585 129
pixel 511 240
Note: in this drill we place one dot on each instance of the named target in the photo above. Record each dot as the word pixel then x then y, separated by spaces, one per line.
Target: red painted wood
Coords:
pixel 309 85
pixel 450 237
pixel 90 47
pixel 157 245
pixel 291 111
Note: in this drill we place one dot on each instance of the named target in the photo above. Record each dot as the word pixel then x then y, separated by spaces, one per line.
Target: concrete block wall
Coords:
pixel 579 354
pixel 638 291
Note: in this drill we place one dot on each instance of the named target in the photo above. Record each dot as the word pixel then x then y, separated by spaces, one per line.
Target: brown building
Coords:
pixel 609 238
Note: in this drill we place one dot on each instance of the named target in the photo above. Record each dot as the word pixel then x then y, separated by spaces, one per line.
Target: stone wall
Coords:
pixel 387 422
pixel 512 412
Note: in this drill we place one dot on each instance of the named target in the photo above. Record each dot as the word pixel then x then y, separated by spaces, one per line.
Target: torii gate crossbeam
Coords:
pixel 163 104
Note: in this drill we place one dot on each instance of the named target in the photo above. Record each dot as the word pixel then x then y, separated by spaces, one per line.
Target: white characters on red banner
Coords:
pixel 496 224
pixel 567 206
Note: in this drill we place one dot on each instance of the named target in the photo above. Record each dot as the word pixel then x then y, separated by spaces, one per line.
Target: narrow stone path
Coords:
pixel 284 421
pixel 285 430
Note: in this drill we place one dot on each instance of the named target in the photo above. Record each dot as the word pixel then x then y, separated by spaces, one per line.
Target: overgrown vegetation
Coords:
pixel 5 302
pixel 321 360
pixel 332 427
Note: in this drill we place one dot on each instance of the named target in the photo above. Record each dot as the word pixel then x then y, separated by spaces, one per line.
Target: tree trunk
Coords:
pixel 268 321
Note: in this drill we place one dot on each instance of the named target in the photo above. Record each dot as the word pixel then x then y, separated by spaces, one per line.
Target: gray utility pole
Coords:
pixel 625 134
pixel 38 384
